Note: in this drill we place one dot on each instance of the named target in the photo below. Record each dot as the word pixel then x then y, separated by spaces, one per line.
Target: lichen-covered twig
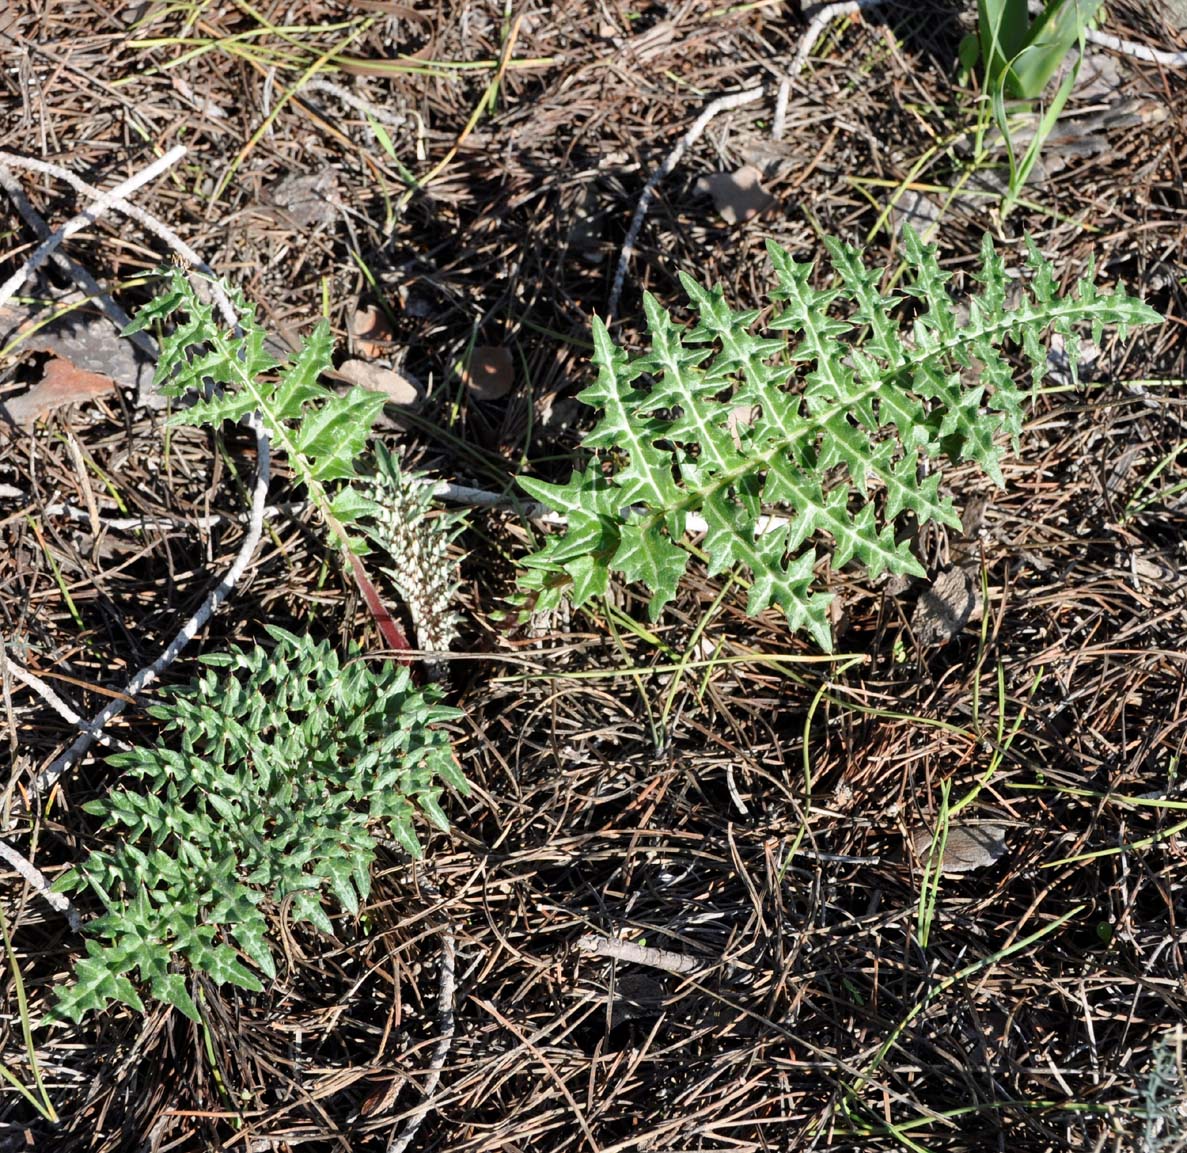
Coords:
pixel 821 20
pixel 114 200
pixel 100 204
pixel 635 954
pixel 713 109
pixel 71 268
pixel 1125 47
pixel 146 676
pixel 61 707
pixel 146 220
pixel 445 1030
pixel 1137 51
pixel 721 104
pixel 40 884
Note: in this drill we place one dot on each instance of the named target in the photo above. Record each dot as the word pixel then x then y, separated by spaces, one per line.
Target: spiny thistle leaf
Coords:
pixel 844 410
pixel 320 431
pixel 271 776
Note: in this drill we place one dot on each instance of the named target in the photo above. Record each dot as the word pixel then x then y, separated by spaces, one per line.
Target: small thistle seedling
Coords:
pixel 271 775
pixel 847 412
pixel 322 434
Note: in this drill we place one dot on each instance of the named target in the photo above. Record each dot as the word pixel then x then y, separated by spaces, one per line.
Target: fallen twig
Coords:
pixel 144 219
pixel 634 954
pixel 92 730
pixel 61 707
pixel 41 884
pixel 72 268
pixel 721 104
pixel 445 1017
pixel 145 677
pixel 99 205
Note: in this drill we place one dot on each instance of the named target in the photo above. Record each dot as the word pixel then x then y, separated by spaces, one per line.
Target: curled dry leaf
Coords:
pixel 371 332
pixel 967 848
pixel 489 375
pixel 737 196
pixel 740 418
pixel 398 388
pixel 310 200
pixel 945 608
pixel 60 384
pixel 922 212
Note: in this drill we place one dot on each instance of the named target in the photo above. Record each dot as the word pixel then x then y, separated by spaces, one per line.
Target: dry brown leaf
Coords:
pixel 945 608
pixel 311 200
pixel 923 213
pixel 490 374
pixel 60 384
pixel 967 848
pixel 80 337
pixel 371 332
pixel 737 196
pixel 398 388
pixel 740 418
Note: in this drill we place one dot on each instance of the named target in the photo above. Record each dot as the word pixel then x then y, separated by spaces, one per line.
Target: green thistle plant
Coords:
pixel 320 432
pixel 269 781
pixel 273 773
pixel 847 413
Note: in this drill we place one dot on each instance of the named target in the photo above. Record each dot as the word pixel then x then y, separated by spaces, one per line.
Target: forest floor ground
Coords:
pixel 696 784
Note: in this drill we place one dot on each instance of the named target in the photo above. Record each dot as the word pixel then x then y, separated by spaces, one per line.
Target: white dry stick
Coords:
pixel 1125 47
pixel 144 523
pixel 442 489
pixel 71 268
pixel 41 884
pixel 146 220
pixel 358 103
pixel 88 215
pixel 145 677
pixel 445 1016
pixel 533 510
pixel 721 104
pixel 1138 51
pixel 63 709
pixel 634 954
pixel 823 17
